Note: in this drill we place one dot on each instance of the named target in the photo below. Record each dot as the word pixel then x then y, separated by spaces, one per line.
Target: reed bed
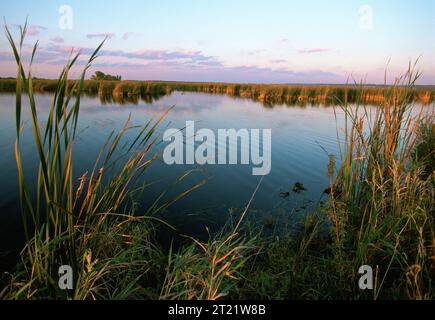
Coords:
pixel 77 224
pixel 382 200
pixel 266 94
pixel 88 222
pixel 379 213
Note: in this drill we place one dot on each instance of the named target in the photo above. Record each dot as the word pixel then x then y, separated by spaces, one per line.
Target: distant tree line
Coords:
pixel 102 76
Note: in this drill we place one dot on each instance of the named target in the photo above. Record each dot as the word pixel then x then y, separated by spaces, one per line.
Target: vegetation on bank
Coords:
pixel 88 221
pixel 264 93
pixel 380 213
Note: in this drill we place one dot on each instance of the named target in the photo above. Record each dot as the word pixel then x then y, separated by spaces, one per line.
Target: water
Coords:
pixel 302 137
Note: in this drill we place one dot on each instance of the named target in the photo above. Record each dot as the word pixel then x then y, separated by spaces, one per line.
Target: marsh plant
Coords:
pixel 379 210
pixel 268 94
pixel 88 221
pixel 382 200
pixel 77 222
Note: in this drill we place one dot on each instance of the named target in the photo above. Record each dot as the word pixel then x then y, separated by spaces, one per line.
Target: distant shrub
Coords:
pixel 102 76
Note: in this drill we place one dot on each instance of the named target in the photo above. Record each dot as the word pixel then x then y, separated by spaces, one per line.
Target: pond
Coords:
pixel 302 138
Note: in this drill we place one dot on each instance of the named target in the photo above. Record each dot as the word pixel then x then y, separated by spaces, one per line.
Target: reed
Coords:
pixel 77 224
pixel 88 222
pixel 380 212
pixel 210 270
pixel 268 94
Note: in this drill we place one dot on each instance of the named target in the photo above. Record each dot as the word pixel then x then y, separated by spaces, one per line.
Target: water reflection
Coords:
pixel 129 99
pixel 303 135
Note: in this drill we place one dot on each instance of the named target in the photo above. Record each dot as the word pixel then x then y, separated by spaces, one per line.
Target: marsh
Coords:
pixel 301 141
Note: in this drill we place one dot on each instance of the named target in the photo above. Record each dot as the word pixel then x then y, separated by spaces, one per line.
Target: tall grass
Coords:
pixel 77 224
pixel 268 94
pixel 89 222
pixel 380 211
pixel 210 270
pixel 207 270
pixel 382 203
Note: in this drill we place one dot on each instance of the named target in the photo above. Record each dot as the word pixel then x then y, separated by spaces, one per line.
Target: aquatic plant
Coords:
pixel 88 222
pixel 379 212
pixel 268 94
pixel 384 214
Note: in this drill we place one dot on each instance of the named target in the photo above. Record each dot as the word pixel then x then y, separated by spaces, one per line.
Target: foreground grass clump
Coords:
pixel 87 222
pixel 380 214
pixel 210 271
pixel 70 224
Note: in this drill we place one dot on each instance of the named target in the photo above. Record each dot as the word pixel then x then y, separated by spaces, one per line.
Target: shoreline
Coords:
pixel 267 94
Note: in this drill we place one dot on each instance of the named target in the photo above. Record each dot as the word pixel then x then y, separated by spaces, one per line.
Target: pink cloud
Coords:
pixel 313 50
pixel 278 61
pixel 108 35
pixel 57 39
pixel 33 30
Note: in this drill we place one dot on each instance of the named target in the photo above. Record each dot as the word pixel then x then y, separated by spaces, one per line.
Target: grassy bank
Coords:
pixel 267 94
pixel 88 221
pixel 380 213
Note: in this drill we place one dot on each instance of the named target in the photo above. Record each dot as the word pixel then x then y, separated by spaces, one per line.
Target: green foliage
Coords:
pixel 90 224
pixel 380 210
pixel 380 213
pixel 269 94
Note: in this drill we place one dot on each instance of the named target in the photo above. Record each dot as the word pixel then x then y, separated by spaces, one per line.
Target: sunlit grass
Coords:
pixel 380 210
pixel 88 222
pixel 268 94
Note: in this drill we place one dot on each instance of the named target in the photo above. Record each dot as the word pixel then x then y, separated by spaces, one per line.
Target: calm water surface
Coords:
pixel 302 137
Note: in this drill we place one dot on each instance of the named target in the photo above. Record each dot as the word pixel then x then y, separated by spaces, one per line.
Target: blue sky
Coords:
pixel 233 41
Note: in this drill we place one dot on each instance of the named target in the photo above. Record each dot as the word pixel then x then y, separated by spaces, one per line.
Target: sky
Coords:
pixel 247 41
